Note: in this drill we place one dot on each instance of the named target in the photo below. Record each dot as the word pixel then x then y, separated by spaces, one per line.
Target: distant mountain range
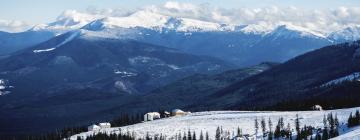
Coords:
pixel 243 45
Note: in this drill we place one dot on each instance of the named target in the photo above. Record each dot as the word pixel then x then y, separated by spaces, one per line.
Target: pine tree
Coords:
pixel 256 126
pixel 147 137
pixel 201 135
pixel 288 131
pixel 297 126
pixel 218 134
pixel 357 117
pixel 277 132
pixel 336 126
pixel 184 136
pixel 263 127
pixel 207 136
pixel 189 135
pixel 350 120
pixel 325 135
pixel 239 132
pixel 270 125
pixel 318 136
pixel 194 136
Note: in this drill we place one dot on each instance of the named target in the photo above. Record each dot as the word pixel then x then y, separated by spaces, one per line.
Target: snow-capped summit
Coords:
pixel 137 19
pixel 151 20
pixel 347 33
pixel 292 31
pixel 260 28
pixel 68 20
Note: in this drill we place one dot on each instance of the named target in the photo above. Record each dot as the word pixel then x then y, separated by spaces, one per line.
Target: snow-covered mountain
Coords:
pixel 345 34
pixel 155 21
pixel 68 20
pixel 292 31
pixel 238 44
pixel 123 66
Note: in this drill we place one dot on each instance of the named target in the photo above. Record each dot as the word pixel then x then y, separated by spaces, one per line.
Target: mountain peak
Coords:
pixel 68 20
pixel 291 31
pixel 152 20
pixel 351 32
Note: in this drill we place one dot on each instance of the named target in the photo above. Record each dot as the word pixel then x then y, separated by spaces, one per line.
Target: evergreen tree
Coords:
pixel 256 126
pixel 270 125
pixel 277 132
pixel 318 136
pixel 357 117
pixel 297 126
pixel 194 136
pixel 218 134
pixel 147 137
pixel 325 135
pixel 189 135
pixel 336 133
pixel 201 135
pixel 263 127
pixel 207 136
pixel 239 132
pixel 288 131
pixel 350 120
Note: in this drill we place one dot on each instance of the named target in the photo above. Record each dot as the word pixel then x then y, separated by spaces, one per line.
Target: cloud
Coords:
pixel 13 25
pixel 325 20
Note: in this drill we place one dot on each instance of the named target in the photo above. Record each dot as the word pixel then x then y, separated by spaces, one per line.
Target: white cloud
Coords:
pixel 325 20
pixel 13 25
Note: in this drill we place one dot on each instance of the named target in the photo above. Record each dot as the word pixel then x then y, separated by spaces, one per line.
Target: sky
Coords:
pixel 24 13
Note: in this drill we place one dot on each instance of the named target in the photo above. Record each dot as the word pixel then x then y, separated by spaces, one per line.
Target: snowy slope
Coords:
pixel 229 120
pixel 353 134
pixel 350 77
pixel 292 31
pixel 70 36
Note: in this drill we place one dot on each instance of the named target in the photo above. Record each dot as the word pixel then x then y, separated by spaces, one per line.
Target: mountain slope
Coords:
pixel 12 42
pixel 298 82
pixel 327 76
pixel 90 61
pixel 188 90
pixel 52 81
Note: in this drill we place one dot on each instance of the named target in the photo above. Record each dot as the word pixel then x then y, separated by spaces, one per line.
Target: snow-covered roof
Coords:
pixel 105 123
pixel 177 111
pixel 152 113
pixel 93 126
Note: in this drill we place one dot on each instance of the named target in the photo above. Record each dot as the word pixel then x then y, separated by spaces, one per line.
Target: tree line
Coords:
pixel 265 128
pixel 354 120
pixel 122 120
